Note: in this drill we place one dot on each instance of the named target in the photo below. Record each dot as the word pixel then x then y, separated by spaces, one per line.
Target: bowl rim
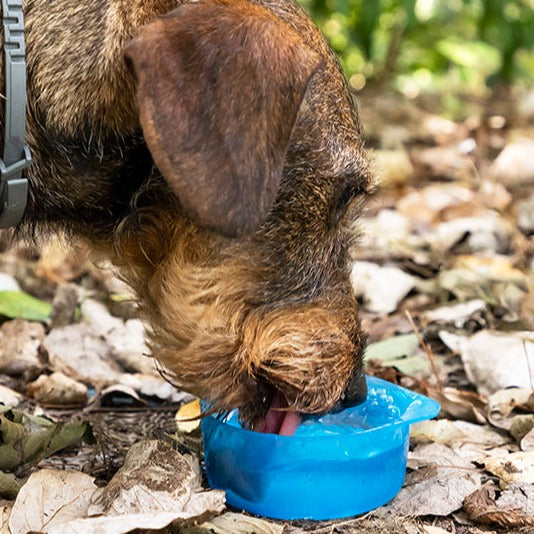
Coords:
pixel 431 409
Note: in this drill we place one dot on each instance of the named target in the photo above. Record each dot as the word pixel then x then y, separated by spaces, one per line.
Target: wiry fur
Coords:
pixel 232 318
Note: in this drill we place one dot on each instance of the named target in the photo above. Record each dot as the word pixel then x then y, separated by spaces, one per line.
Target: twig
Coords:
pixel 524 341
pixel 426 348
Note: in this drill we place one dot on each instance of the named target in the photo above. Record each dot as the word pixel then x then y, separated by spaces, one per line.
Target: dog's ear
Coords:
pixel 220 83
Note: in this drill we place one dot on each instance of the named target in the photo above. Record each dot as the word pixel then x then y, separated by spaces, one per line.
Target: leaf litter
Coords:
pixel 449 239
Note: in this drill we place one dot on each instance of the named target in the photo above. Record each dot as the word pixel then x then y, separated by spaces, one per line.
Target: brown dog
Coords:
pixel 236 244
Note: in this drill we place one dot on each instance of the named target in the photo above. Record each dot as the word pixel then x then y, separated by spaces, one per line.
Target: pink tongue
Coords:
pixel 279 420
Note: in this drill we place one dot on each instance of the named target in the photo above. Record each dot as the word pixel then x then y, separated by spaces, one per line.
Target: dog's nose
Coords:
pixel 356 391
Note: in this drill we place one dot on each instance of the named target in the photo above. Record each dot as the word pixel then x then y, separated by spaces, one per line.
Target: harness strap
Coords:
pixel 16 154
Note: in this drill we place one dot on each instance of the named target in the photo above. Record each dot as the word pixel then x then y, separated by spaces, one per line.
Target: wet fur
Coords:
pixel 231 318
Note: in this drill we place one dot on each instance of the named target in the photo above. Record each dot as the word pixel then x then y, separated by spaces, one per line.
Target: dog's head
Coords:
pixel 247 115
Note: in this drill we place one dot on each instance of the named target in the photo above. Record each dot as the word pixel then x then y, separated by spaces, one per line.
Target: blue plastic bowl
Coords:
pixel 338 465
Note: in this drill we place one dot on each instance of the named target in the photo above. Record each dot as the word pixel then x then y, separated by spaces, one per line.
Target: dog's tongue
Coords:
pixel 279 419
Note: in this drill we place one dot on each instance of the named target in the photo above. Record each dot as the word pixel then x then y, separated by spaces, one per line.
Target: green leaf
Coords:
pixel 9 485
pixel 475 55
pixel 392 348
pixel 409 366
pixel 17 304
pixel 27 439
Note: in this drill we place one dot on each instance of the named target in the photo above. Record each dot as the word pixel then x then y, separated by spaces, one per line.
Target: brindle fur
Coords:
pixel 231 318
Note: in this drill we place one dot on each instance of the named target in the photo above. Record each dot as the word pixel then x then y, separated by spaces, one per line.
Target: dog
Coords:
pixel 211 149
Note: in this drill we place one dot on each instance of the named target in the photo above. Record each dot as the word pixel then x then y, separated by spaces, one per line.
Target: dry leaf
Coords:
pixel 381 287
pixel 57 389
pixel 495 360
pixel 232 523
pixel 77 351
pixel 19 347
pixel 425 204
pixel 5 511
pixel 8 397
pixel 482 508
pixel 391 167
pixel 8 283
pixel 185 417
pixel 503 403
pixel 489 233
pixel 456 314
pixel 496 268
pixel 460 404
pixel 126 339
pixel 153 387
pixel 457 433
pixel 156 487
pixel 442 162
pixel 520 429
pixel 514 165
pixel 436 491
pixel 514 468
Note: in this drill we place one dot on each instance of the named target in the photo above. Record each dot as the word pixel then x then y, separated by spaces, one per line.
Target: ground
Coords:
pixel 445 275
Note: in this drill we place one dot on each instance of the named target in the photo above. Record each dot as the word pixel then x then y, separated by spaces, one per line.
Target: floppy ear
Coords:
pixel 219 88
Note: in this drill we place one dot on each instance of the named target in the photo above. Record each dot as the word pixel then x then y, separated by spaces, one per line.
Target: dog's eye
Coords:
pixel 342 199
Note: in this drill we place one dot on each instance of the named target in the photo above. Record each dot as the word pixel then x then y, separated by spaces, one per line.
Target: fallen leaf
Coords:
pixel 490 232
pixel 426 204
pixel 442 162
pixel 151 386
pixel 495 360
pixel 120 396
pixel 495 268
pixel 188 417
pixel 126 339
pixel 381 287
pixel 49 498
pixel 456 433
pixel 5 511
pixel 388 235
pixel 9 486
pixel 514 165
pixel 519 496
pixel 460 404
pixel 64 305
pixel 19 347
pixel 514 468
pixel 57 389
pixel 522 429
pixel 77 351
pixel 502 404
pixel 8 283
pixel 9 397
pixel 392 348
pixel 391 167
pixel 26 439
pixel 232 523
pixel 433 490
pixel 155 487
pixel 525 215
pixel 20 305
pixel 483 508
pixel 456 314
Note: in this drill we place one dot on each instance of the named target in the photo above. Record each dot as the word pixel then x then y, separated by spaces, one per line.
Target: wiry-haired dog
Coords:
pixel 212 150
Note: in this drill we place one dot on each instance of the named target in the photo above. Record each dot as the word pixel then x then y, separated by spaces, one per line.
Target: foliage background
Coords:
pixel 469 46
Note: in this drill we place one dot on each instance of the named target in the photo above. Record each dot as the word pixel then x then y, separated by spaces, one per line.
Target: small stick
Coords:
pixel 528 363
pixel 426 348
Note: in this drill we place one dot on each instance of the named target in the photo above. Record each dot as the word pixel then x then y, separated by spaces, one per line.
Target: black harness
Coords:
pixel 16 155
